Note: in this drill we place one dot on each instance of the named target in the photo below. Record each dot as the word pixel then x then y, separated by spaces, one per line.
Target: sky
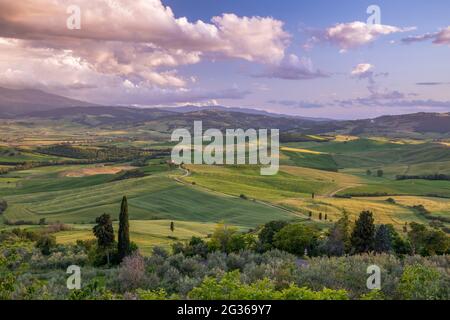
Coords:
pixel 328 59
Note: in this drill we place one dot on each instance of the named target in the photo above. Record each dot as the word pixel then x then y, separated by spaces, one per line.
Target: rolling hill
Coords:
pixel 31 103
pixel 14 102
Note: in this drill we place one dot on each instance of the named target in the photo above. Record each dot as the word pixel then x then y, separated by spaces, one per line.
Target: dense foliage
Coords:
pixel 278 261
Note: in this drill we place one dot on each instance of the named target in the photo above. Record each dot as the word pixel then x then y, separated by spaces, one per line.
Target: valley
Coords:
pixel 61 170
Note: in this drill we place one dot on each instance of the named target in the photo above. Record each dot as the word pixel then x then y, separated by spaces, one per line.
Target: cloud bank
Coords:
pixel 123 44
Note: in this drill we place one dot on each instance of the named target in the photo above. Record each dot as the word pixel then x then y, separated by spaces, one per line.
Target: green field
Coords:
pixel 200 196
pixel 146 234
pixel 43 193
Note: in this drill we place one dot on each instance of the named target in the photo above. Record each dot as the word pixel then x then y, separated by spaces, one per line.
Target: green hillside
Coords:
pixel 45 194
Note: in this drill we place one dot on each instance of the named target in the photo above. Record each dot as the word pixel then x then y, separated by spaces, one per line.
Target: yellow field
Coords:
pixel 342 138
pixel 384 212
pixel 84 172
pixel 434 205
pixel 300 150
pixel 307 173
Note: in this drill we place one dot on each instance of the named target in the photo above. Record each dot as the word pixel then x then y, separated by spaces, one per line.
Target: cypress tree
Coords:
pixel 104 232
pixel 363 235
pixel 124 230
pixel 383 239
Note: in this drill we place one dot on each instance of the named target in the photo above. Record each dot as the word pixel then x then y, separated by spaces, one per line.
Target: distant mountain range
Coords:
pixel 15 102
pixel 28 103
pixel 189 108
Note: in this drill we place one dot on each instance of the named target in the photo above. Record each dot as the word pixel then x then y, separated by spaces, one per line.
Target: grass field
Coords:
pixel 146 234
pixel 45 193
pixel 290 182
pixel 238 195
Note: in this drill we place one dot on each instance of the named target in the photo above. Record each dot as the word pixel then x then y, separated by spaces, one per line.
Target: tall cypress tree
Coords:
pixel 124 230
pixel 363 235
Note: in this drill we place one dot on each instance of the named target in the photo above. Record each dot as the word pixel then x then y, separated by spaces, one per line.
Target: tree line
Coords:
pixel 436 176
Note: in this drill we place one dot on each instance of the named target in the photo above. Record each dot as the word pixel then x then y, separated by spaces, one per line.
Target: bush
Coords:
pixel 350 273
pixel 160 294
pixel 230 287
pixel 45 243
pixel 268 232
pixel 419 282
pixel 132 272
pixel 373 295
pixel 296 238
pixel 56 227
pixel 196 246
pixel 3 206
pixel 7 283
pixel 92 291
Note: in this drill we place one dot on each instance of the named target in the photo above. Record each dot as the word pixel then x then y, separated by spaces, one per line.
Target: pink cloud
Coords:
pixel 355 34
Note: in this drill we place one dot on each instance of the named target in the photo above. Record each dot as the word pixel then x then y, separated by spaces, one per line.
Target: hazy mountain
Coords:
pixel 190 108
pixel 438 123
pixel 39 104
pixel 102 115
pixel 20 101
pixel 232 120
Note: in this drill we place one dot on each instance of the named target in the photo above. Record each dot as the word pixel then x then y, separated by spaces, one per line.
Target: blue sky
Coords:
pixel 309 58
pixel 406 64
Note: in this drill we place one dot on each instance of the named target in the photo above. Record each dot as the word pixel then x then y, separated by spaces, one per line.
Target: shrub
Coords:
pixel 350 273
pixel 160 294
pixel 296 293
pixel 296 238
pixel 230 287
pixel 268 232
pixel 419 282
pixel 132 272
pixel 195 246
pixel 7 282
pixel 45 243
pixel 92 291
pixel 3 206
pixel 373 295
pixel 56 227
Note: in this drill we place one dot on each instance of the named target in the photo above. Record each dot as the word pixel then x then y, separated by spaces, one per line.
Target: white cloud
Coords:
pixel 260 39
pixel 123 44
pixel 252 39
pixel 362 69
pixel 355 34
pixel 442 37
